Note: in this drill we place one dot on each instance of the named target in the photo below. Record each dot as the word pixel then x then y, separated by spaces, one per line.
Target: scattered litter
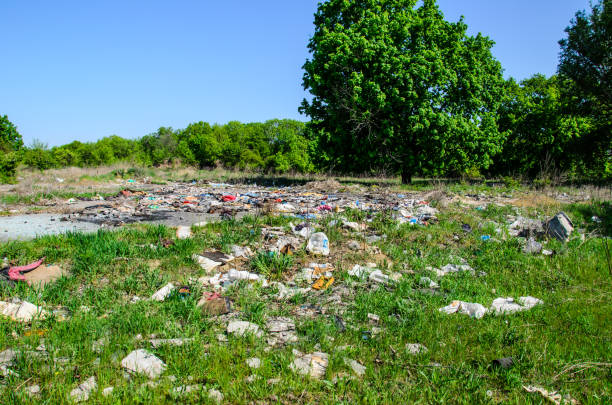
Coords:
pixel 206 263
pixel 468 308
pixel 183 232
pixel 142 362
pixel 163 292
pixel 313 364
pixel 318 244
pixel 358 368
pixel 81 393
pixel 14 273
pixel 552 396
pixel 377 276
pixel 323 283
pixel 242 328
pixel 416 348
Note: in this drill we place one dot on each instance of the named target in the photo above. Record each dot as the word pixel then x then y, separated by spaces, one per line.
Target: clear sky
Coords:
pixel 81 70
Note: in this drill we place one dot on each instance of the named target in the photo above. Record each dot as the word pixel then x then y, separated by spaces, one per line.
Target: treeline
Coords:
pixel 384 103
pixel 275 145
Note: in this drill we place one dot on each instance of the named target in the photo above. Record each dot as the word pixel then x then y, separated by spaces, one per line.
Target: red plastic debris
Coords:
pixel 324 208
pixel 278 200
pixel 227 198
pixel 15 272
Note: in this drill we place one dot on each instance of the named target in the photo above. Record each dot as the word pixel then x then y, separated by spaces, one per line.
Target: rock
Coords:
pixel 107 391
pixel 509 306
pixel 532 246
pixel 253 362
pixel 468 308
pixel 358 368
pixel 143 362
pixel 318 244
pixel 416 348
pixel 22 311
pixel 163 292
pixel 313 364
pixel 241 328
pixel 374 319
pixel 559 227
pixel 81 393
pixel 426 281
pixel 354 245
pixel 169 342
pixel 6 359
pixel 32 390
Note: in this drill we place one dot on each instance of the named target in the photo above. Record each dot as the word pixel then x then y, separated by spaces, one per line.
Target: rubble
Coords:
pixel 242 328
pixel 358 368
pixel 416 348
pixel 142 362
pixel 313 364
pixel 81 393
pixel 253 362
pixel 22 311
pixel 509 306
pixel 281 330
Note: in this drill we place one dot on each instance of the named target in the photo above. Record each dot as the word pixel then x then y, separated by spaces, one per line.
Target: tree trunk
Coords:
pixel 406 176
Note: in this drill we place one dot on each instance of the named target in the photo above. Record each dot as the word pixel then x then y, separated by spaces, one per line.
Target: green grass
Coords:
pixel 109 268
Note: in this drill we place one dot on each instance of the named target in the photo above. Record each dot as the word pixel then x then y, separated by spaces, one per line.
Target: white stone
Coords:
pixel 22 311
pixel 81 393
pixel 313 364
pixel 241 328
pixel 253 362
pixel 143 362
pixel 416 348
pixel 357 367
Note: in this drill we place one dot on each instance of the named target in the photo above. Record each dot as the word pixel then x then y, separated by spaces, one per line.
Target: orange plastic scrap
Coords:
pixel 321 269
pixel 323 283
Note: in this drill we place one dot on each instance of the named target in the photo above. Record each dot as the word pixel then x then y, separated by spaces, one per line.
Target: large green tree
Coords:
pixel 586 66
pixel 394 86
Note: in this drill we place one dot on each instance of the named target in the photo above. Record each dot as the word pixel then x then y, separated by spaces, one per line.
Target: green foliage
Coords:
pixel 585 64
pixel 10 142
pixel 271 264
pixel 10 139
pixel 396 87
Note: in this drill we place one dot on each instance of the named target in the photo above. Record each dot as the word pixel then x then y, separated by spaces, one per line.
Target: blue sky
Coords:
pixel 81 70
